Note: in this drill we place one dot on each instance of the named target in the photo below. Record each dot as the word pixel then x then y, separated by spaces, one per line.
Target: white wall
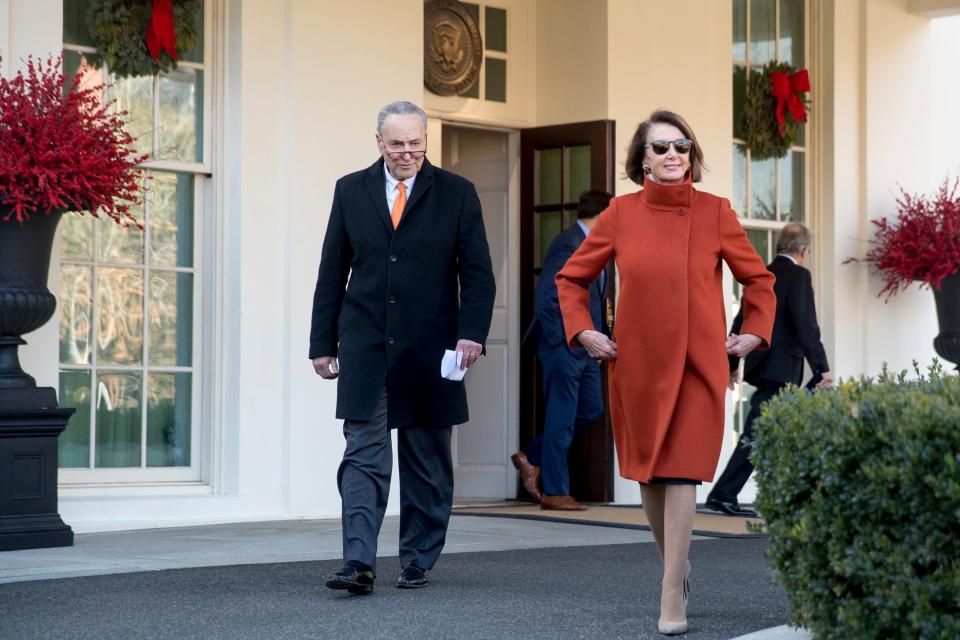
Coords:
pixel 571 61
pixel 884 93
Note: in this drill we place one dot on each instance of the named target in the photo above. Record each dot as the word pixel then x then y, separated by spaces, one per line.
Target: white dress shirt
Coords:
pixel 392 191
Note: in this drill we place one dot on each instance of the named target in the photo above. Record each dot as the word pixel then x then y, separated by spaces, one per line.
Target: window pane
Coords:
pixel 739 99
pixel 196 53
pixel 168 420
pixel 496 29
pixel 171 318
pixel 171 220
pixel 496 79
pixel 74 63
pixel 763 189
pixel 791 32
pixel 120 316
pixel 760 238
pixel 763 31
pixel 791 187
pixel 181 116
pixel 120 244
pixel 739 181
pixel 74 442
pixel 75 29
pixel 76 237
pixel 578 172
pixel 474 90
pixel 740 30
pixel 119 422
pixel 548 176
pixel 550 223
pixel 76 314
pixel 134 95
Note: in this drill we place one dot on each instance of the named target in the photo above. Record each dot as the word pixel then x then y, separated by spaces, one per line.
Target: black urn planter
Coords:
pixel 947 297
pixel 30 420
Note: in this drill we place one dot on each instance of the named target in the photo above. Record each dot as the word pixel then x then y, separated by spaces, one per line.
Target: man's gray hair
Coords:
pixel 793 239
pixel 400 108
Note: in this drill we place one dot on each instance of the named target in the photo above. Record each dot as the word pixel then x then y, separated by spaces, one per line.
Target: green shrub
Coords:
pixel 860 489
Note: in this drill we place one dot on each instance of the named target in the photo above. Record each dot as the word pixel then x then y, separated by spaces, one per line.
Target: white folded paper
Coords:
pixel 450 365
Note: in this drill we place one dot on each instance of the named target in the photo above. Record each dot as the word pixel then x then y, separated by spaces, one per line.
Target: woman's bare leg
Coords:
pixel 680 503
pixel 653 500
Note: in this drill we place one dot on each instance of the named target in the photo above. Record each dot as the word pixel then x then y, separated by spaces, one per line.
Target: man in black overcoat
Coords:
pixel 796 335
pixel 405 274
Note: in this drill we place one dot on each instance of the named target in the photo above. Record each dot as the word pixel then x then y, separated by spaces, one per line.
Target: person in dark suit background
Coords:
pixel 796 335
pixel 571 378
pixel 410 239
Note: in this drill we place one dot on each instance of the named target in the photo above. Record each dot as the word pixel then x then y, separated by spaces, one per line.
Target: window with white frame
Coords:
pixel 492 81
pixel 129 299
pixel 767 194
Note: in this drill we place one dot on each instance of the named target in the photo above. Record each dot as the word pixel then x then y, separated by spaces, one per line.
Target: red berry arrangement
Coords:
pixel 62 148
pixel 922 242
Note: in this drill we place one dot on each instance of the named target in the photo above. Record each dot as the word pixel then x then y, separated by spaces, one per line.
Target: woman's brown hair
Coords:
pixel 635 152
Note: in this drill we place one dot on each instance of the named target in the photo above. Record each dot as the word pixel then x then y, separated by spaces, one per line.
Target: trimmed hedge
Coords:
pixel 860 489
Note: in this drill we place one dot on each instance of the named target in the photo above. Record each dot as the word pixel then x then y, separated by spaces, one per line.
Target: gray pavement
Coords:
pixel 263 580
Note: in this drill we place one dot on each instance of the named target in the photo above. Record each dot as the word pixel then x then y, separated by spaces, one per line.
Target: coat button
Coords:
pixel 392 300
pixel 679 194
pixel 393 258
pixel 390 340
pixel 680 212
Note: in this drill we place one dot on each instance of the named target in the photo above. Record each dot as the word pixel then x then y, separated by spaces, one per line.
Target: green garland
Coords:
pixel 758 123
pixel 119 28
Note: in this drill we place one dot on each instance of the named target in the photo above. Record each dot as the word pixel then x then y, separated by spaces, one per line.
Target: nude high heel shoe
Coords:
pixel 672 628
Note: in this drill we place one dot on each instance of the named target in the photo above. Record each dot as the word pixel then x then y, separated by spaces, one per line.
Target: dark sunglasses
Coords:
pixel 681 145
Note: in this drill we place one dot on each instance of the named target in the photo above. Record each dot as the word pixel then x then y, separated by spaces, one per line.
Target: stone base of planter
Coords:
pixel 30 422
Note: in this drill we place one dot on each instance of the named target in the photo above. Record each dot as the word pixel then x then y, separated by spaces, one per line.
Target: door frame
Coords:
pixel 596 484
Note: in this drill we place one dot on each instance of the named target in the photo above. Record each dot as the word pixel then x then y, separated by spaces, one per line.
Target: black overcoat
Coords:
pixel 412 293
pixel 796 334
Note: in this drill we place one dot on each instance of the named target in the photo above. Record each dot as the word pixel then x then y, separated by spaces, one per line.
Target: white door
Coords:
pixel 482 447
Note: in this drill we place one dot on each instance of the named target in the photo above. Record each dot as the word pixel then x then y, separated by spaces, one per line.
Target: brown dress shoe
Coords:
pixel 529 474
pixel 560 503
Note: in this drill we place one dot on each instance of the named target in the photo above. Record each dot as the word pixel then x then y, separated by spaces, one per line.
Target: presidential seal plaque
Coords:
pixel 452 48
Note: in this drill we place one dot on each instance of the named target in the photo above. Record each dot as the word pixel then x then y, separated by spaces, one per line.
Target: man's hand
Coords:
pixel 471 351
pixel 598 345
pixel 826 379
pixel 743 344
pixel 326 367
pixel 733 380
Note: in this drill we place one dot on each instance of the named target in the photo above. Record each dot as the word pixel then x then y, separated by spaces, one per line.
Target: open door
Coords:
pixel 558 163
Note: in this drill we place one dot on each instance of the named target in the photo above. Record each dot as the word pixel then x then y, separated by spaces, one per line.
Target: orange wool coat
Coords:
pixel 668 382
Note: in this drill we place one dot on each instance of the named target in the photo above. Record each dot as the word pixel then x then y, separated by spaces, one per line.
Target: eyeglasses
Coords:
pixel 660 147
pixel 416 154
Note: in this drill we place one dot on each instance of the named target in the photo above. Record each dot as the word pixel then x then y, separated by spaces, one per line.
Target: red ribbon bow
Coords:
pixel 785 88
pixel 160 32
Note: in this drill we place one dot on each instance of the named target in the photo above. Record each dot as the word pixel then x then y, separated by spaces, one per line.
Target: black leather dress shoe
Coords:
pixel 730 508
pixel 352 579
pixel 412 577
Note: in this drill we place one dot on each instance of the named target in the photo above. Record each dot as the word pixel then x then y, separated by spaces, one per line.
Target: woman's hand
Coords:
pixel 598 345
pixel 743 344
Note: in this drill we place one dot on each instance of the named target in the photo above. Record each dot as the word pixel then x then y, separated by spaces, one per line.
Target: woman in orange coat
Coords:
pixel 669 368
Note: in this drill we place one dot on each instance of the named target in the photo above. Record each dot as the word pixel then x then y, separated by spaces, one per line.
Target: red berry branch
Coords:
pixel 921 243
pixel 61 148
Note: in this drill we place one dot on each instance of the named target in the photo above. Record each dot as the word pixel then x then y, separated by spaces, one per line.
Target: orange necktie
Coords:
pixel 399 204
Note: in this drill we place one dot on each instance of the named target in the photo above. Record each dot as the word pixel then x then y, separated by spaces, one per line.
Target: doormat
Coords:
pixel 621 517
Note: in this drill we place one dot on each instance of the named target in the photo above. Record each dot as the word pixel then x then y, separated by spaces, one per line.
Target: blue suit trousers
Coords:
pixel 571 386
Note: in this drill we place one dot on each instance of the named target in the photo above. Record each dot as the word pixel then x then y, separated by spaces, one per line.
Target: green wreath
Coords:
pixel 758 124
pixel 118 29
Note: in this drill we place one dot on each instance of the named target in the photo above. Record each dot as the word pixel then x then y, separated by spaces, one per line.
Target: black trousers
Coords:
pixel 426 488
pixel 739 468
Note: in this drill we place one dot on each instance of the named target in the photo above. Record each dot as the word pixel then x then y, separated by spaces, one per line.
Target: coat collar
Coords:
pixel 668 196
pixel 377 185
